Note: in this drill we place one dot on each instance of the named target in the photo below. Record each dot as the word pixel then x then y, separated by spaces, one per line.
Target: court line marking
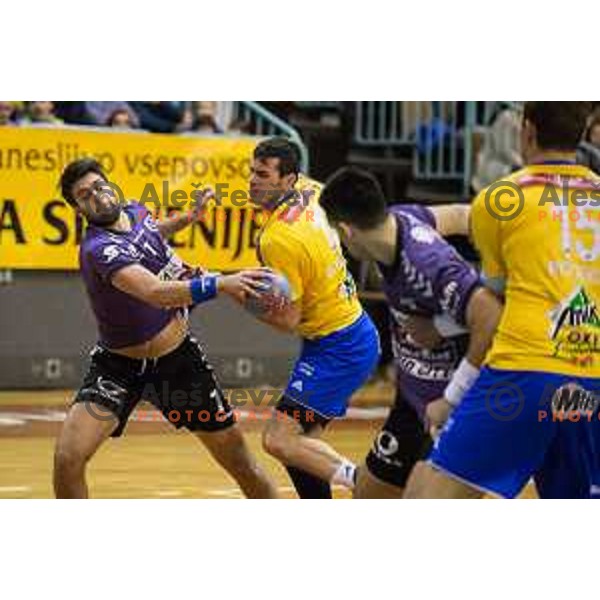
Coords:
pixel 169 493
pixel 14 488
pixel 10 422
pixel 20 418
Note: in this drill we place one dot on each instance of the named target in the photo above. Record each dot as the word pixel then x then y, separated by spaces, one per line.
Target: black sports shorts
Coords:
pixel 181 384
pixel 399 445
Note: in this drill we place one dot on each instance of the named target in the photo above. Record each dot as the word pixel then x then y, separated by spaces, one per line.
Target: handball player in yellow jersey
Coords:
pixel 340 344
pixel 533 410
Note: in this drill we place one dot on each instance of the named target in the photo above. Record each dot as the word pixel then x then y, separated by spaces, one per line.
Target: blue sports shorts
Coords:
pixel 505 432
pixel 330 369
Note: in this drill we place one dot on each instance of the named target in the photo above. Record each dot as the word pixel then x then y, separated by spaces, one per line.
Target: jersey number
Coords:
pixel 586 253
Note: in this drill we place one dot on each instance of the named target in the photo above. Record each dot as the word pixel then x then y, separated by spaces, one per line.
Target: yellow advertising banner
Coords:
pixel 38 230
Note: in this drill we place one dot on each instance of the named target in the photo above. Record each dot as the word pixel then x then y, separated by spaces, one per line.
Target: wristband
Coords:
pixel 461 381
pixel 203 288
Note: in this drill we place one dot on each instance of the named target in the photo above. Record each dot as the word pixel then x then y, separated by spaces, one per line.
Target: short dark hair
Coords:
pixel 74 172
pixel 559 125
pixel 593 121
pixel 354 195
pixel 282 148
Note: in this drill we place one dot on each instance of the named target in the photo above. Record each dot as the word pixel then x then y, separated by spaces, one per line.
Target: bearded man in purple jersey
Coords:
pixel 443 319
pixel 134 283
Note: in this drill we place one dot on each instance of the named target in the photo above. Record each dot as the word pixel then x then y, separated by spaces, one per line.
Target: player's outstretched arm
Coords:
pixel 139 282
pixel 178 221
pixel 452 219
pixel 174 223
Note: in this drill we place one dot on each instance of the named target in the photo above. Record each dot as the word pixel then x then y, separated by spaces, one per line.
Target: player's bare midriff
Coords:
pixel 165 341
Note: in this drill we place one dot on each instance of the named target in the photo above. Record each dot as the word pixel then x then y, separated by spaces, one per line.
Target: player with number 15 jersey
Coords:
pixel 538 234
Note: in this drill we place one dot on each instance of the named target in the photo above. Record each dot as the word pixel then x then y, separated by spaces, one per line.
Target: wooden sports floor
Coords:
pixel 151 460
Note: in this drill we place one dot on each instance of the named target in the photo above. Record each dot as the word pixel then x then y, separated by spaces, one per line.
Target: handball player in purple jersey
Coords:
pixel 443 319
pixel 140 293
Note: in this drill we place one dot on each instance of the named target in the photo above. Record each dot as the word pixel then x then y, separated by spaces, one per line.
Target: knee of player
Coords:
pixel 278 441
pixel 68 460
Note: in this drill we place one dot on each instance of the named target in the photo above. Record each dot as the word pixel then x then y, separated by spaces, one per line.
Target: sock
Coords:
pixel 309 486
pixel 345 475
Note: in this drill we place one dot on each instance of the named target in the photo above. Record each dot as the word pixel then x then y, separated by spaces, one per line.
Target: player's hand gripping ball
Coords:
pixel 274 295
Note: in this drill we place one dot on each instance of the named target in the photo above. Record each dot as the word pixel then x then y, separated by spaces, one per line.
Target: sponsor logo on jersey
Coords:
pixel 425 370
pixel 422 234
pixel 575 329
pixel 572 398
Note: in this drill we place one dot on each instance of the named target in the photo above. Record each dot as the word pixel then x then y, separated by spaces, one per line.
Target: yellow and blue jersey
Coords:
pixel 298 241
pixel 538 234
pixel 545 254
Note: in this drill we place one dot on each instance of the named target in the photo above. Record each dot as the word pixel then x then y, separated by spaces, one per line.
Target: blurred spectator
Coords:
pixel 205 117
pixel 101 112
pixel 501 151
pixel 120 119
pixel 588 151
pixel 592 134
pixel 41 111
pixel 7 113
pixel 187 120
pixel 240 127
pixel 161 117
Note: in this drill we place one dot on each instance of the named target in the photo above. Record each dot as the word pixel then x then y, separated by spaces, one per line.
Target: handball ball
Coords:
pixel 275 295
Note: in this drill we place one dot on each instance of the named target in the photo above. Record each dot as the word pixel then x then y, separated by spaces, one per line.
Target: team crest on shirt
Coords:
pixel 575 329
pixel 109 253
pixel 424 235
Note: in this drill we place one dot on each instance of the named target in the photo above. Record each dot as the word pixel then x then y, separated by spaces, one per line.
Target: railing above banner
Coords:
pixel 265 123
pixel 440 133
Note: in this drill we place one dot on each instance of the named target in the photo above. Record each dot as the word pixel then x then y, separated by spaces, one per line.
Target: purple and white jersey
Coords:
pixel 429 278
pixel 122 319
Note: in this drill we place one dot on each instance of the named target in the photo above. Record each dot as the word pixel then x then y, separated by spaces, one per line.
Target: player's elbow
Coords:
pixel 291 318
pixel 286 320
pixel 483 311
pixel 163 229
pixel 453 220
pixel 463 220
